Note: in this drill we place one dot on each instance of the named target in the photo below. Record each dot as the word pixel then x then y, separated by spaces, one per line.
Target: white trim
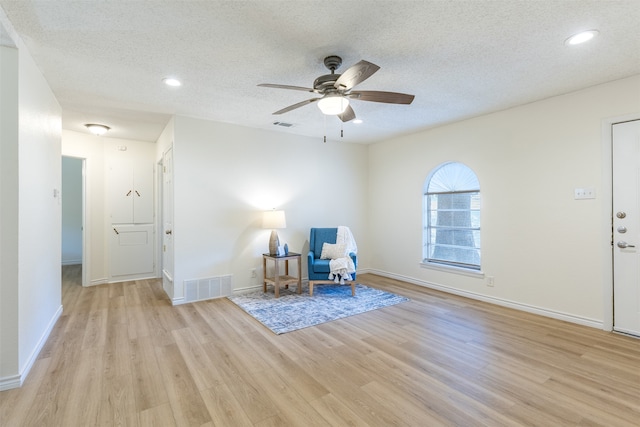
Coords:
pixel 179 301
pixel 478 274
pixel 15 381
pixel 96 282
pixel 498 301
pixel 86 219
pixel 245 290
pixel 86 227
pixel 166 274
pixel 627 332
pixel 607 215
pixel 129 277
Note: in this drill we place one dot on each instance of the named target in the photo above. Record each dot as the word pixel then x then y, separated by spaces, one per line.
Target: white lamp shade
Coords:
pixel 274 219
pixel 332 105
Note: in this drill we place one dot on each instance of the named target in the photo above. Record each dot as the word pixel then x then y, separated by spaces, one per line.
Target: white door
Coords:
pixel 626 227
pixel 167 221
pixel 143 193
pixel 130 190
pixel 131 251
pixel 120 190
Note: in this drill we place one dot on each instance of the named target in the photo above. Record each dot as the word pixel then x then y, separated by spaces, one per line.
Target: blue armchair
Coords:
pixel 319 268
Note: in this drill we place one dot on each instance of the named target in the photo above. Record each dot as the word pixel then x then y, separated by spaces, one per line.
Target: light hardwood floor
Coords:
pixel 122 355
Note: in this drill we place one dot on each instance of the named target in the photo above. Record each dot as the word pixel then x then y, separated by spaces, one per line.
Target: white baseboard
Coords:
pixel 129 277
pixel 246 289
pixel 15 381
pixel 96 282
pixel 493 300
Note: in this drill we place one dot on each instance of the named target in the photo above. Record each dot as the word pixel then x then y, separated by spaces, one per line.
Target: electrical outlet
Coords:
pixel 490 281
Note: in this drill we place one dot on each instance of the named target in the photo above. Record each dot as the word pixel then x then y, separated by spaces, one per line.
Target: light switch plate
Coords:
pixel 584 193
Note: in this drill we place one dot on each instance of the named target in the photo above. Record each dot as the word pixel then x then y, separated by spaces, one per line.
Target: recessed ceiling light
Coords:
pixel 357 121
pixel 581 37
pixel 171 81
pixel 97 129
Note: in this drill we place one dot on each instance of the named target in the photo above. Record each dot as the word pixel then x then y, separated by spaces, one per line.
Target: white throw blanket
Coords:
pixel 346 238
pixel 342 268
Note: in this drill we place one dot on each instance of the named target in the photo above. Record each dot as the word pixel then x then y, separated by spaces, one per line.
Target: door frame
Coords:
pixel 160 226
pixel 607 215
pixel 159 216
pixel 85 230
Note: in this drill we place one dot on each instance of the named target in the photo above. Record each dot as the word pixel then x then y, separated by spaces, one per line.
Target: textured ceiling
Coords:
pixel 105 60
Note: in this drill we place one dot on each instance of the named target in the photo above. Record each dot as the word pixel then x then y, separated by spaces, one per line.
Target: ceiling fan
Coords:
pixel 336 90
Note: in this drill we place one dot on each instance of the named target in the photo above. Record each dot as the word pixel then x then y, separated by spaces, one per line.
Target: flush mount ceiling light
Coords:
pixel 581 37
pixel 332 105
pixel 97 129
pixel 172 81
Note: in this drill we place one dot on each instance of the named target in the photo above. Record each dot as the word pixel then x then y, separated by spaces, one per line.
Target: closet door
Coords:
pixel 130 189
pixel 142 194
pixel 132 251
pixel 119 189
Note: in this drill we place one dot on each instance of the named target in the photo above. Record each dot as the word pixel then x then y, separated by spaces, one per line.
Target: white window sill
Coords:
pixel 451 269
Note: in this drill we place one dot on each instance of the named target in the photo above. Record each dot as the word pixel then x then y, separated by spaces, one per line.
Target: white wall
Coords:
pixel 9 338
pixel 225 176
pixel 40 242
pixel 31 299
pixel 544 249
pixel 71 211
pixel 165 141
pixel 99 152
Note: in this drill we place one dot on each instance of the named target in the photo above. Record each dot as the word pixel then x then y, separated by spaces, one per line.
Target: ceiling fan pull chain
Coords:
pixel 324 125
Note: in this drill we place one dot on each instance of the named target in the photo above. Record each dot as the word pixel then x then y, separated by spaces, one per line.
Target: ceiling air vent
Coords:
pixel 287 125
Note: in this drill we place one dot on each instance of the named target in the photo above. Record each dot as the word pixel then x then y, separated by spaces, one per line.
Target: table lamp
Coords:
pixel 272 220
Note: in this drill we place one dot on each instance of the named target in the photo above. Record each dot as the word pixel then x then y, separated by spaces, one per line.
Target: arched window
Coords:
pixel 452 217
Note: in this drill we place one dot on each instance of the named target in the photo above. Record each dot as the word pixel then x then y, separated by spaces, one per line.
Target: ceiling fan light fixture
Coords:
pixel 332 105
pixel 97 129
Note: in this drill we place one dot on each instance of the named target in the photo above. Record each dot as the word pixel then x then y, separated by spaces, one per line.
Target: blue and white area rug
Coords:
pixel 329 302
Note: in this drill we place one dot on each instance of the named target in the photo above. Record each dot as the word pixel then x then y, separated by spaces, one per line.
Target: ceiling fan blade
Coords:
pixel 298 105
pixel 304 89
pixel 347 115
pixel 380 96
pixel 355 74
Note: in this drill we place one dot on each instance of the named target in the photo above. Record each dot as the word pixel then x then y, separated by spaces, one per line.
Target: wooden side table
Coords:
pixel 277 279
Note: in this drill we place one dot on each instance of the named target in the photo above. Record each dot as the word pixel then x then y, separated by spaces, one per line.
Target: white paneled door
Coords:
pixel 130 194
pixel 626 227
pixel 130 200
pixel 132 250
pixel 167 221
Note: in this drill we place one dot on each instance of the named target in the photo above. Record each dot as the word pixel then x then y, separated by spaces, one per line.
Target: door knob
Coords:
pixel 621 214
pixel 621 244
